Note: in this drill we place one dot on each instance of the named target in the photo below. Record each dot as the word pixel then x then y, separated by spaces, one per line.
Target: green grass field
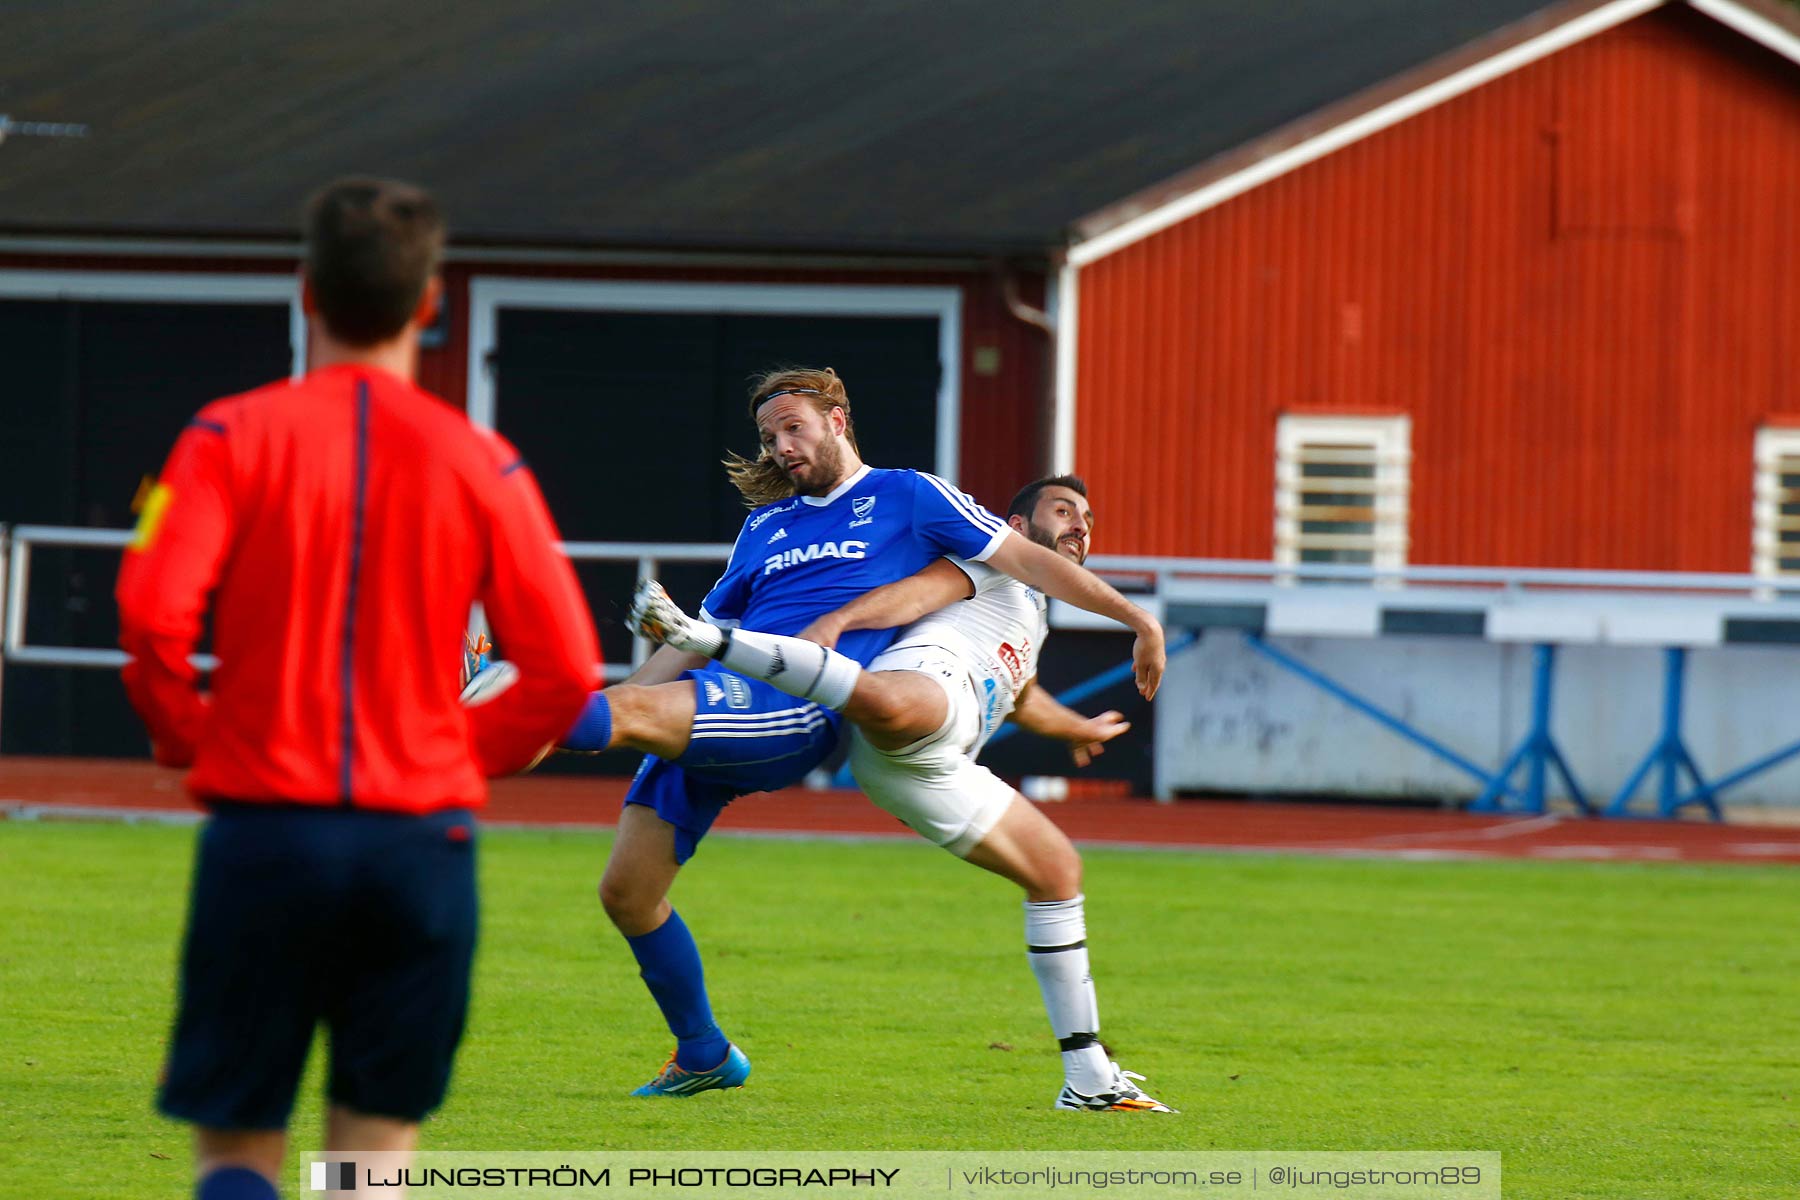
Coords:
pixel 1615 1031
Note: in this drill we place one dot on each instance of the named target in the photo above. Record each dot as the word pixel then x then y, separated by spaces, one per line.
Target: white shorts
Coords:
pixel 935 785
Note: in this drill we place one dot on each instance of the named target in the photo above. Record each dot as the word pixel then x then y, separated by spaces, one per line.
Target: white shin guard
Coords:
pixel 795 665
pixel 1056 942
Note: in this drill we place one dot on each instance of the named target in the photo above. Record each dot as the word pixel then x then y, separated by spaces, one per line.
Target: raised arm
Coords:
pixel 1054 575
pixel 898 603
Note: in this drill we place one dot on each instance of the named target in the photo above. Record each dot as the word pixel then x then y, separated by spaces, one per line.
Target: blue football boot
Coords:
pixel 675 1081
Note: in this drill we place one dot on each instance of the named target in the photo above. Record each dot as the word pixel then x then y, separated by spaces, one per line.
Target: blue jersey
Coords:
pixel 794 562
pixel 801 558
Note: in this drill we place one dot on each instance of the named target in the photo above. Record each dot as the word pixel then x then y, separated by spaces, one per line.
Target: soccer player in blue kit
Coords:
pixel 826 529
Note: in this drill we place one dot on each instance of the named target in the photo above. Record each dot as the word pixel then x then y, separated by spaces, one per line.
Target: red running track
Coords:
pixel 37 787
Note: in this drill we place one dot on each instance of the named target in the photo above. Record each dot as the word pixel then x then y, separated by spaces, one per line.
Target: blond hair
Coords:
pixel 761 480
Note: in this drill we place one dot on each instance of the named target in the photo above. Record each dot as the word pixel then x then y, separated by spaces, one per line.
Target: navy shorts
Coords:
pixel 300 915
pixel 747 736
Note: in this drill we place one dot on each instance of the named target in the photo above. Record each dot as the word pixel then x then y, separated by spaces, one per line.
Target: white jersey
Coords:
pixel 997 634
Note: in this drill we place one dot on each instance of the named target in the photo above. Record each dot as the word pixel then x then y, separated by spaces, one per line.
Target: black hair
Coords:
pixel 1025 503
pixel 372 246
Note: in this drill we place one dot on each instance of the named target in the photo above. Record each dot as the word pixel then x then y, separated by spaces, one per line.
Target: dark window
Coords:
pixel 624 418
pixel 96 394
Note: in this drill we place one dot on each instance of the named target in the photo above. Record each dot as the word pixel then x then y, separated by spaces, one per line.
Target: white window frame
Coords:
pixel 488 294
pixel 1388 440
pixel 166 287
pixel 1773 443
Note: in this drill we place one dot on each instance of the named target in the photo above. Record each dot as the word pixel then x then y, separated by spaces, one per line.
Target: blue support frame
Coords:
pixel 1671 754
pixel 1537 751
pixel 1493 784
pixel 1766 762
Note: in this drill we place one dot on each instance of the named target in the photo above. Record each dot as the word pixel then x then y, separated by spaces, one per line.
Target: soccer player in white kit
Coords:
pixel 923 710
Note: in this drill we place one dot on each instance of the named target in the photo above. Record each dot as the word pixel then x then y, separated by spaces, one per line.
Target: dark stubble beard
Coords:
pixel 1043 537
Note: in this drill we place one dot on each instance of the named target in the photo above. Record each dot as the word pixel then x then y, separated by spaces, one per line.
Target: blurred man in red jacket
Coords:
pixel 342 525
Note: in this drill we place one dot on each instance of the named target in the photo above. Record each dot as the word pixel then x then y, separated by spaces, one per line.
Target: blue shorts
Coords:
pixel 302 915
pixel 747 736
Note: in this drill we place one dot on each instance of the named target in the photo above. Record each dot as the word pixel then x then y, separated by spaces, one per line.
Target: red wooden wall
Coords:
pixel 1581 280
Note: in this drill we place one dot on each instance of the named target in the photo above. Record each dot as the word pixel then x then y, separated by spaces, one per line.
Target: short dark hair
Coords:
pixel 372 246
pixel 1025 503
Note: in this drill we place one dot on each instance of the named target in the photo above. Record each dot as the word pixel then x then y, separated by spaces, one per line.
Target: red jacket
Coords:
pixel 347 521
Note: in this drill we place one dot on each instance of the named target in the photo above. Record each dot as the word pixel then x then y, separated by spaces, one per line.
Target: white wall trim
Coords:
pixel 1067 295
pixel 1374 121
pixel 167 287
pixel 488 294
pixel 1752 25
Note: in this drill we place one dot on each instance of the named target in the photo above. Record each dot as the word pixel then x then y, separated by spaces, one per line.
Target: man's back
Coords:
pixel 355 518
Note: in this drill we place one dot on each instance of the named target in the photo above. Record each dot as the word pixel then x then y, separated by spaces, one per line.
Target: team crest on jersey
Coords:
pixel 862 506
pixel 737 692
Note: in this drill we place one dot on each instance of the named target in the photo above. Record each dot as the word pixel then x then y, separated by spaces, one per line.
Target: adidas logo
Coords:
pixel 714 693
pixel 779 534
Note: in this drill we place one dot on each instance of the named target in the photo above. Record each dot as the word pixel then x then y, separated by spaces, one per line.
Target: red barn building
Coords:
pixel 1532 305
pixel 1490 282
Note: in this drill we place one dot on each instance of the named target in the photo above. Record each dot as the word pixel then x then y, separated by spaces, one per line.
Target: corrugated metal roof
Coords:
pixel 885 125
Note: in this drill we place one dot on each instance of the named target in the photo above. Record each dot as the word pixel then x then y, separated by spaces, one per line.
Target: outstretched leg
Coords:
pixel 656 719
pixel 893 708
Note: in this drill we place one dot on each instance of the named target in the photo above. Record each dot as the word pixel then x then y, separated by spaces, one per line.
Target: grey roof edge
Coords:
pixel 1020 251
pixel 1320 121
pixel 1743 16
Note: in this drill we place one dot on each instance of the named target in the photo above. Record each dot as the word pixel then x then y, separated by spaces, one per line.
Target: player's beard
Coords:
pixel 823 470
pixel 1047 539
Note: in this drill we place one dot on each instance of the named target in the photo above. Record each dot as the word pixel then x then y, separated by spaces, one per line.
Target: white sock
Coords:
pixel 1056 944
pixel 701 637
pixel 795 665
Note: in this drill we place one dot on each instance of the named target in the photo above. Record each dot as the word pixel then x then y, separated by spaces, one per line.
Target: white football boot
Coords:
pixel 1123 1096
pixel 660 619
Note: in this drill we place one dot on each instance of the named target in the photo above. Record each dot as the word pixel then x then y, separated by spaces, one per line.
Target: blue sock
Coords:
pixel 593 728
pixel 670 964
pixel 235 1183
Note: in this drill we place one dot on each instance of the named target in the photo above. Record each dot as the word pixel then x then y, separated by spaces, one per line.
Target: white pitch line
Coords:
pixel 20 810
pixel 1490 833
pixel 1609 853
